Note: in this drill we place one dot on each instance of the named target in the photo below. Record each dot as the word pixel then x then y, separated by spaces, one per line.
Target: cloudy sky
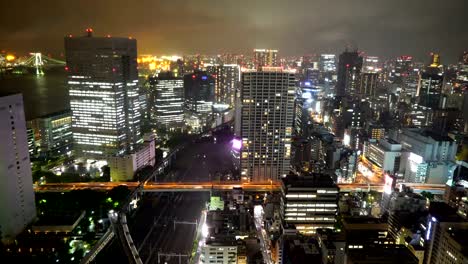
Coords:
pixel 295 27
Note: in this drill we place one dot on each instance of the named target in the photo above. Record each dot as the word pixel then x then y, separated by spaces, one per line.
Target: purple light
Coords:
pixel 236 144
pixel 307 84
pixel 204 77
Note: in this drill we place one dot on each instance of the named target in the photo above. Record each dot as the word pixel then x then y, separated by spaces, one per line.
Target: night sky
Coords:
pixel 296 27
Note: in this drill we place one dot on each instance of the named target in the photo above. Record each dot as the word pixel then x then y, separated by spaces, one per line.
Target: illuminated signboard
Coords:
pixel 388 184
pixel 236 144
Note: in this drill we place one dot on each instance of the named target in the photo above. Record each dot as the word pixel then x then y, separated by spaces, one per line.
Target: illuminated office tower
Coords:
pixel 430 84
pixel 267 123
pixel 368 85
pixel 265 57
pixel 227 79
pixel 349 70
pixel 168 100
pixel 403 67
pixel 327 63
pixel 16 187
pixel 371 64
pixel 199 92
pixel 103 87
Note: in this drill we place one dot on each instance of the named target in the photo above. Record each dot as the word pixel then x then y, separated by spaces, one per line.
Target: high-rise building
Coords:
pixel 371 64
pixel 368 85
pixel 167 100
pixel 16 187
pixel 265 57
pixel 53 133
pixel 403 68
pixel 309 202
pixel 327 63
pixel 199 92
pixel 445 236
pixel 104 99
pixel 227 79
pixel 430 89
pixel 349 70
pixel 267 123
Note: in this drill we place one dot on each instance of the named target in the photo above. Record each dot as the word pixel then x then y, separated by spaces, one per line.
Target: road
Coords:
pixel 206 186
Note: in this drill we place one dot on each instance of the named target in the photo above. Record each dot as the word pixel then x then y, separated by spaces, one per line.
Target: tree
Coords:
pixel 119 193
pixel 428 195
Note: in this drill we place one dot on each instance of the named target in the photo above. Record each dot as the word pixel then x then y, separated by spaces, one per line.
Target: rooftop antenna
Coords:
pixel 89 32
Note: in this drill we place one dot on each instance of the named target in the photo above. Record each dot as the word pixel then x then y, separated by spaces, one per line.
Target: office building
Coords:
pixel 267 123
pixel 123 167
pixel 327 63
pixel 227 80
pixel 349 71
pixel 53 134
pixel 199 92
pixel 430 90
pixel 371 64
pixel 309 202
pixel 104 99
pixel 16 193
pixel 427 156
pixel 368 85
pixel 384 156
pixel 402 70
pixel 167 100
pixel 265 57
pixel 445 235
pixel 219 250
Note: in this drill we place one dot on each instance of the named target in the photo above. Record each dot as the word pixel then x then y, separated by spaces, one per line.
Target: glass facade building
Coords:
pixel 104 99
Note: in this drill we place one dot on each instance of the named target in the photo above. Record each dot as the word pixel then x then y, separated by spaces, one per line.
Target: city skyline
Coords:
pixel 382 29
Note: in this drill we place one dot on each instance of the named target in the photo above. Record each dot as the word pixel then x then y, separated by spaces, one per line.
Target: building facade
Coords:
pixel 123 167
pixel 265 57
pixel 167 100
pixel 53 133
pixel 16 187
pixel 309 202
pixel 349 70
pixel 104 99
pixel 267 123
pixel 227 80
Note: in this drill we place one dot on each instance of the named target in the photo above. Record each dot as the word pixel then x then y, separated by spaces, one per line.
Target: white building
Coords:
pixel 385 154
pixel 266 123
pixel 18 208
pixel 218 251
pixel 123 167
pixel 104 99
pixel 428 157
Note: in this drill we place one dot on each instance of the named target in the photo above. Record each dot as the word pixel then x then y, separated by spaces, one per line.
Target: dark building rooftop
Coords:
pixel 381 254
pixel 311 180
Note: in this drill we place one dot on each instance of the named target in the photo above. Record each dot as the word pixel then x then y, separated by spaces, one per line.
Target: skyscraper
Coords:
pixel 349 70
pixel 103 86
pixel 267 123
pixel 327 63
pixel 16 189
pixel 227 79
pixel 167 100
pixel 430 84
pixel 371 64
pixel 265 57
pixel 199 92
pixel 368 84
